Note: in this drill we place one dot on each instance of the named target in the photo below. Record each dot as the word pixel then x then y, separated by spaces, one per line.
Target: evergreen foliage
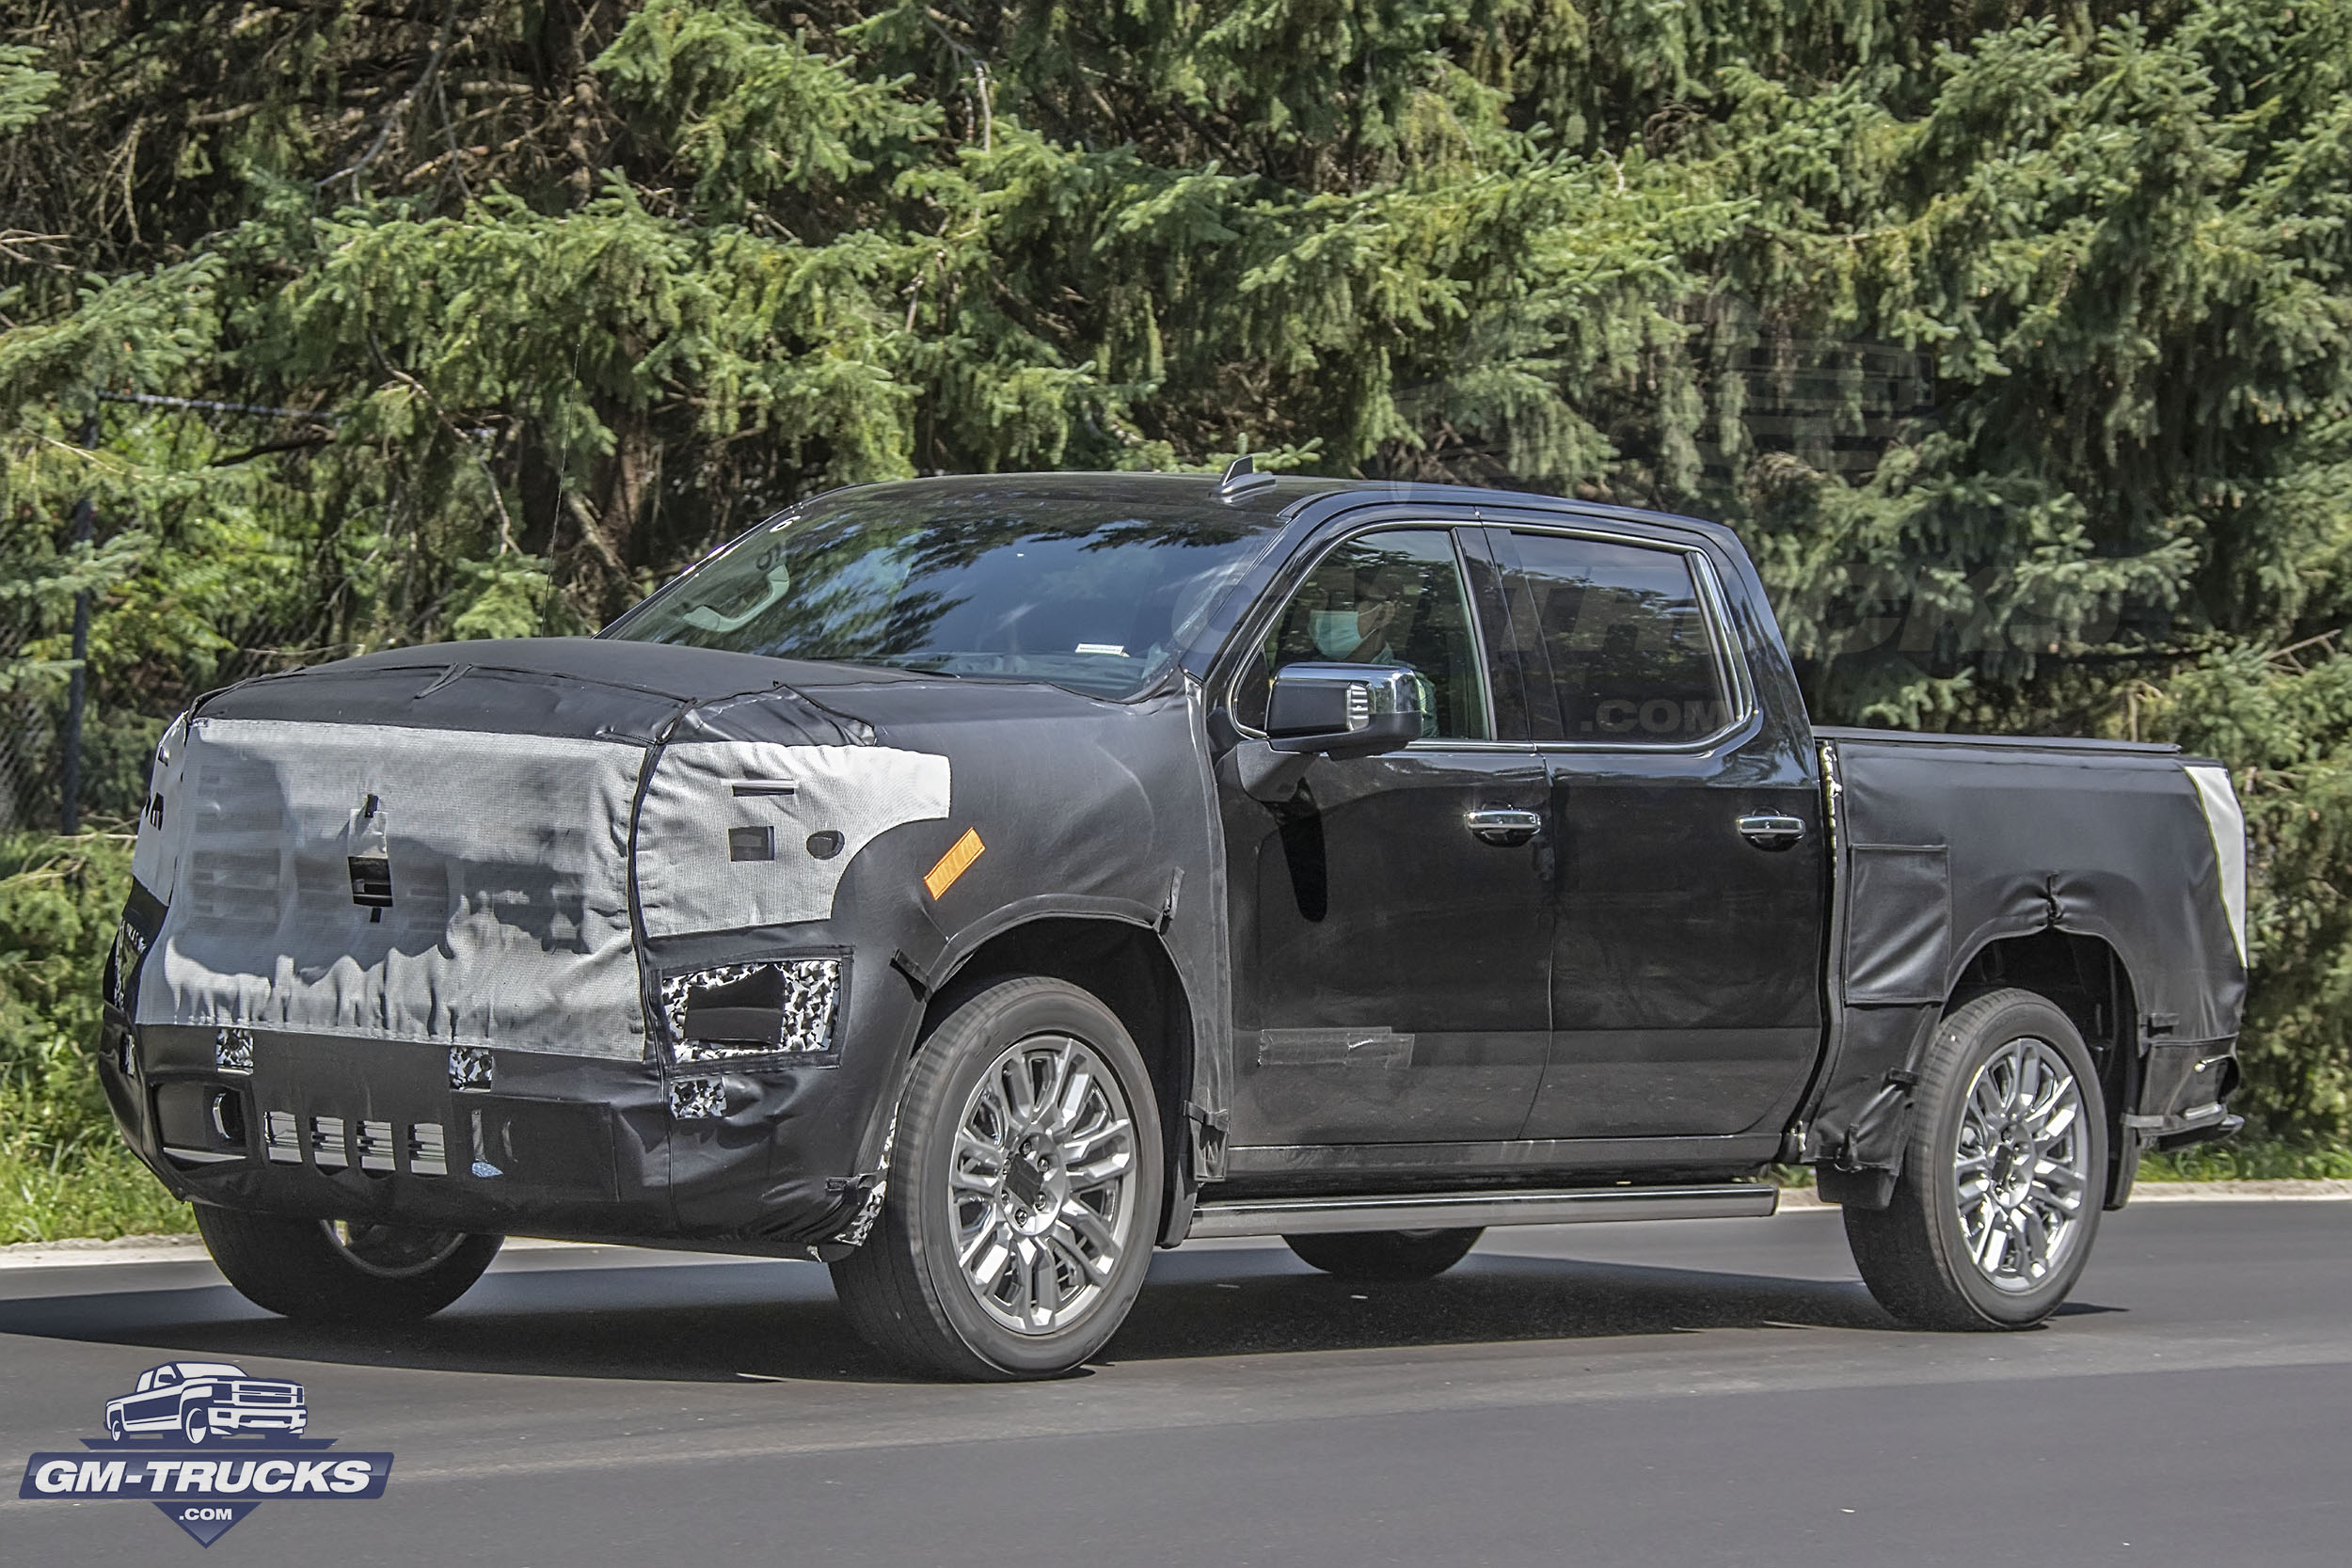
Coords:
pixel 2015 343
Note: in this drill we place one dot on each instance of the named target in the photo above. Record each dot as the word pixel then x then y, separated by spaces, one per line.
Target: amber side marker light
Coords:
pixel 954 863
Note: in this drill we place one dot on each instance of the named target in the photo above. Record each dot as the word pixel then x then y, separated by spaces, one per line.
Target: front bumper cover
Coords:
pixel 537 1144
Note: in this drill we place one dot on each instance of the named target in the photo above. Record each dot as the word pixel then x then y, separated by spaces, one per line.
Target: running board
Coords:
pixel 1300 1216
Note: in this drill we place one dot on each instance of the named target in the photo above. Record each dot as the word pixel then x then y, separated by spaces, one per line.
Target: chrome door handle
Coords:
pixel 1506 826
pixel 1772 832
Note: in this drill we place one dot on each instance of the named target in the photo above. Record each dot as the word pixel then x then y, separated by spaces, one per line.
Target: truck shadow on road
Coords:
pixel 724 1321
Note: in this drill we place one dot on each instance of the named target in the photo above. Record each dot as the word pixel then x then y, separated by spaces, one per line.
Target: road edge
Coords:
pixel 82 1253
pixel 1795 1199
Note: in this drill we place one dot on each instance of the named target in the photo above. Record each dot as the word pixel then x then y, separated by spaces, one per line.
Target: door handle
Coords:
pixel 1506 825
pixel 1772 832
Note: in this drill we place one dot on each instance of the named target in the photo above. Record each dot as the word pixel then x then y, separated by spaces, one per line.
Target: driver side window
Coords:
pixel 1390 599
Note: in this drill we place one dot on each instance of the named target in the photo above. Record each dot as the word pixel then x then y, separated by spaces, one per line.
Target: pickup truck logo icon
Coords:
pixel 207 1445
pixel 198 1401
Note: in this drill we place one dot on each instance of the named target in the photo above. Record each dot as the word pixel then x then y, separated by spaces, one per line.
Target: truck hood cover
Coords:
pixel 408 884
pixel 471 845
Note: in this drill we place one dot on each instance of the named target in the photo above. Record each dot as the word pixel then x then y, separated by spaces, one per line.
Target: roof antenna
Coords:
pixel 1242 478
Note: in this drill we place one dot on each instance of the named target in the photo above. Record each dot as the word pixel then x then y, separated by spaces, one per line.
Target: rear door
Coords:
pixel 1393 943
pixel 1690 896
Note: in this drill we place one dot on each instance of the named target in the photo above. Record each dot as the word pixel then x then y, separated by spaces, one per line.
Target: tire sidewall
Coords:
pixel 2015 1018
pixel 966 1045
pixel 295 1267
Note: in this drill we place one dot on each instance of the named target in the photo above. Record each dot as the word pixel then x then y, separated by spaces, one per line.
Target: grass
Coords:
pixel 90 1186
pixel 2244 1160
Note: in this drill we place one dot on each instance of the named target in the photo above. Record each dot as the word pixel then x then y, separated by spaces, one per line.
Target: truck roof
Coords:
pixel 1285 494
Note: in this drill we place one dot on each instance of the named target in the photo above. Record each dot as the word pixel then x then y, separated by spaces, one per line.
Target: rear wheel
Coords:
pixel 338 1270
pixel 1023 1193
pixel 1993 1215
pixel 1385 1253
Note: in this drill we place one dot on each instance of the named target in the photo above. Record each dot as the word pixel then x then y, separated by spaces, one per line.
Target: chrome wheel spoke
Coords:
pixel 2052 1121
pixel 2020 1165
pixel 1994 1249
pixel 1087 1227
pixel 988 1267
pixel 2059 1184
pixel 1072 1103
pixel 1040 1282
pixel 2026 1084
pixel 1020 1089
pixel 2033 1241
pixel 1104 1145
pixel 1042 1184
pixel 1985 1100
pixel 1086 1268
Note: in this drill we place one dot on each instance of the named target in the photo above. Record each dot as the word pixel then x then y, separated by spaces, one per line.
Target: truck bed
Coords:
pixel 1949 848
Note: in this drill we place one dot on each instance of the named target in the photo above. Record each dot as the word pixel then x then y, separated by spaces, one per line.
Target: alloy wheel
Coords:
pixel 1043 1184
pixel 391 1251
pixel 2021 1164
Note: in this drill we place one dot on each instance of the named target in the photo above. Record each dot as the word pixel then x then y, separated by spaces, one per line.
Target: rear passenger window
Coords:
pixel 1632 660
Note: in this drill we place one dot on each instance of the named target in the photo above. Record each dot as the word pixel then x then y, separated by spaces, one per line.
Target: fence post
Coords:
pixel 77 692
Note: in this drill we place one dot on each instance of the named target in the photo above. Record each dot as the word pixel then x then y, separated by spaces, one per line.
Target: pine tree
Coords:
pixel 2017 349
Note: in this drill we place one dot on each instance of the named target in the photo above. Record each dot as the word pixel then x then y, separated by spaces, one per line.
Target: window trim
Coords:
pixel 1261 616
pixel 1734 672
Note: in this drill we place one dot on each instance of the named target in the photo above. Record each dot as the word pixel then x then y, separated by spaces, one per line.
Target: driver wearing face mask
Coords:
pixel 1366 618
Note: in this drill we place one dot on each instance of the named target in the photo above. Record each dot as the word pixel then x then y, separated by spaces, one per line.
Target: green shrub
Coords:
pixel 2251 1160
pixel 64 1171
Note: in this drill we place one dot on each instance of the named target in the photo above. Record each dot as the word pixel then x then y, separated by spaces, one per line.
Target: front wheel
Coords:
pixel 1385 1255
pixel 195 1423
pixel 1023 1193
pixel 336 1271
pixel 1993 1217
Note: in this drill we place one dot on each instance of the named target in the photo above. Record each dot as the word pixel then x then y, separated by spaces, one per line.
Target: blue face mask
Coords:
pixel 1336 632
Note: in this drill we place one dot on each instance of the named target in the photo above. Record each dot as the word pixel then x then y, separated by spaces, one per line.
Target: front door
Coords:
pixel 1686 962
pixel 1393 935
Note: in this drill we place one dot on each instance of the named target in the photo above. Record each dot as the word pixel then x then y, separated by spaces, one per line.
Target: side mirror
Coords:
pixel 1345 710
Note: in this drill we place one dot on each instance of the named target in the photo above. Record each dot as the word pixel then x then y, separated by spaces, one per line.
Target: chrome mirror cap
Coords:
pixel 1345 710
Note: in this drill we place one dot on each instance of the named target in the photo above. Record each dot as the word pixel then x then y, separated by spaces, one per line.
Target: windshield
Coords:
pixel 1079 592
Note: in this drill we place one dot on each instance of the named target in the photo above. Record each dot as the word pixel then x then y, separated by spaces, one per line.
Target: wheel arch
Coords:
pixel 1122 963
pixel 2081 973
pixel 2086 978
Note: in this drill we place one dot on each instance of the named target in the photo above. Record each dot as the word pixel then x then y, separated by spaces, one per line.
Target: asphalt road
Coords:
pixel 1681 1394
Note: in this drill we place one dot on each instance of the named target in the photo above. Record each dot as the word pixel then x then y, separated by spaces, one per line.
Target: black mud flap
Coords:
pixel 1871 1159
pixel 1207 1128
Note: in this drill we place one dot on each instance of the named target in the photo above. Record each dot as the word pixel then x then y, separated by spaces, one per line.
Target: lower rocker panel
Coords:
pixel 1295 1216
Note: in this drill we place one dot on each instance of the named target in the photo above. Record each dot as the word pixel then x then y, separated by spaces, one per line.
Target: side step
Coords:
pixel 1299 1216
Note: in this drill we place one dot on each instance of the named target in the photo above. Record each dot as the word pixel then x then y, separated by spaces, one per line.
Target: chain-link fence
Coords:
pixel 118 737
pixel 124 710
pixel 28 740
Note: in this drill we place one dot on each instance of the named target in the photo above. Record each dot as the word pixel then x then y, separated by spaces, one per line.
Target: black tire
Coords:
pixel 904 1290
pixel 1915 1254
pixel 1385 1255
pixel 316 1270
